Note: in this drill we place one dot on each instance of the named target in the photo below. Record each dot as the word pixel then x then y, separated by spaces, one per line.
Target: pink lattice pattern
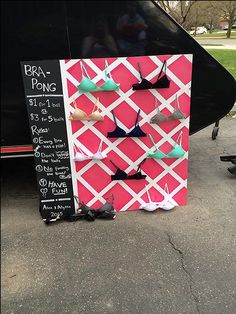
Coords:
pixel 92 178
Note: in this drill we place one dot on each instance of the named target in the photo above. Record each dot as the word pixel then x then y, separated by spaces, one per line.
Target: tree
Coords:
pixel 205 13
pixel 179 10
pixel 228 12
pixel 212 14
pixel 196 12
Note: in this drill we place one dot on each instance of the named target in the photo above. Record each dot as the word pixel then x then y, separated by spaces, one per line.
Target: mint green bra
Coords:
pixel 87 86
pixel 176 152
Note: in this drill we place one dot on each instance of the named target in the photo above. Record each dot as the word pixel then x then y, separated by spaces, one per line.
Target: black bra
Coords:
pixel 106 211
pixel 122 175
pixel 161 82
pixel 119 132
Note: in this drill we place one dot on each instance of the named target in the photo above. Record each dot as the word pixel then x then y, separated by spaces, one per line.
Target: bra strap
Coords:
pixel 136 122
pixel 140 71
pixel 166 189
pixel 149 198
pixel 76 148
pixel 96 105
pixel 83 70
pixel 77 201
pixel 111 196
pixel 100 146
pixel 156 105
pixel 152 140
pixel 179 138
pixel 141 163
pixel 113 113
pixel 106 70
pixel 75 104
pixel 163 67
pixel 177 102
pixel 114 164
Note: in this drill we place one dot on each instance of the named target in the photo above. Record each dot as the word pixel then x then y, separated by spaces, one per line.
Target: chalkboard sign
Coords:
pixel 45 104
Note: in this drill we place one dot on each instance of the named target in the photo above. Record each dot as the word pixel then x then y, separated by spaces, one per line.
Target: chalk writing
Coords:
pixel 46 113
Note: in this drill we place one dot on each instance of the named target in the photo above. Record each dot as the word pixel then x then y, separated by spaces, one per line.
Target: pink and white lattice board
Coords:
pixel 92 178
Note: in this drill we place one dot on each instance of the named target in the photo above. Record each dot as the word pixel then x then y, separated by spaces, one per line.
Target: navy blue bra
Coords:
pixel 119 132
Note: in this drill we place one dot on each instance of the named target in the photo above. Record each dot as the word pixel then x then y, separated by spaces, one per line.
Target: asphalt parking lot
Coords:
pixel 182 261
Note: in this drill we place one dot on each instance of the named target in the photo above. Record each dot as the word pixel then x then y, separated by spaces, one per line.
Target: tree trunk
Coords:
pixel 228 34
pixel 211 27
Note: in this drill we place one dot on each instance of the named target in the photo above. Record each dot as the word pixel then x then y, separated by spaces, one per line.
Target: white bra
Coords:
pixel 80 155
pixel 166 204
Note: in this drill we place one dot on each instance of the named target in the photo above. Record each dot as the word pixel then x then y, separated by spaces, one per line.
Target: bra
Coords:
pixel 119 132
pixel 166 204
pixel 105 211
pixel 176 115
pixel 150 206
pixel 80 155
pixel 161 82
pixel 87 85
pixel 176 152
pixel 122 175
pixel 79 114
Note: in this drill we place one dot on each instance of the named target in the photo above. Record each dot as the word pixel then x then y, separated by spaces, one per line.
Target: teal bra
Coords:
pixel 176 152
pixel 86 85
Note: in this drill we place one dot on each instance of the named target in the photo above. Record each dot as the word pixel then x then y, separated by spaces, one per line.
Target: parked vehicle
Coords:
pixel 227 26
pixel 199 30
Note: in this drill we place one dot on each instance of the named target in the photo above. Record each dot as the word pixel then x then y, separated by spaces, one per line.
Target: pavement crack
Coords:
pixel 191 281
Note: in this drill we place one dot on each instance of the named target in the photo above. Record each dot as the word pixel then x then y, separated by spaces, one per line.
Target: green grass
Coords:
pixel 213 45
pixel 217 35
pixel 231 114
pixel 226 58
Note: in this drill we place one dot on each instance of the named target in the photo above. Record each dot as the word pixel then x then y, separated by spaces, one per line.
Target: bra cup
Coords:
pixel 150 207
pixel 109 85
pixel 85 208
pixel 122 175
pixel 177 152
pixel 99 156
pixel 145 84
pixel 118 132
pixel 103 155
pixel 159 155
pixel 119 175
pixel 136 176
pixel 163 82
pixel 156 154
pixel 80 157
pixel 78 115
pixel 106 207
pixel 96 116
pixel 166 205
pixel 136 132
pixel 177 115
pixel 86 85
pixel 160 117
